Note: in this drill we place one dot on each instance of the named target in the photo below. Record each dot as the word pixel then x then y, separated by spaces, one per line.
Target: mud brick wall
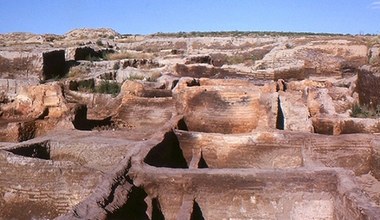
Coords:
pixel 20 63
pixel 41 188
pixel 226 109
pixel 240 194
pixel 368 87
pixel 263 150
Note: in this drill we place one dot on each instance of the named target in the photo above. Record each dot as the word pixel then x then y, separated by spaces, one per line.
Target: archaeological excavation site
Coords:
pixel 230 125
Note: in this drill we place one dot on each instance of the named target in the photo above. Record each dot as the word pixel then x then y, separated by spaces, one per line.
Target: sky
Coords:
pixel 152 16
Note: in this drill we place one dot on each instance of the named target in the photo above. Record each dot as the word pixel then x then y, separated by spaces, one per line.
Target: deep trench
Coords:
pixel 202 163
pixel 280 121
pixel 181 125
pixel 81 122
pixel 167 153
pixel 194 82
pixel 156 210
pixel 39 150
pixel 43 114
pixel 88 53
pixel 197 212
pixel 174 84
pixel 134 209
pixel 86 83
pixel 54 64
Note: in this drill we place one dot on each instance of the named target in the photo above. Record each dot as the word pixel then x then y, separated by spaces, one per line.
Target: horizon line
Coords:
pixel 267 32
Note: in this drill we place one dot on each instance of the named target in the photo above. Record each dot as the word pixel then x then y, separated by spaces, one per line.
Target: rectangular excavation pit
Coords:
pixel 36 150
pixel 226 108
pixel 207 71
pixel 258 194
pixel 259 150
pixel 91 152
pixel 142 116
pixel 54 64
pixel 96 152
pixel 268 150
pixel 81 122
pixel 350 151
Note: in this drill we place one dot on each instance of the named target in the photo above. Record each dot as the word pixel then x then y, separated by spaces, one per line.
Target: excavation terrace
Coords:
pixel 98 125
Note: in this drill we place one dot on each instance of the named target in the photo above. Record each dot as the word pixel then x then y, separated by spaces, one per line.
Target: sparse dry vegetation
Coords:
pixel 130 38
pixel 77 71
pixel 223 46
pixel 362 111
pixel 156 47
pixel 128 55
pixel 86 85
pixel 108 87
pixel 235 59
pixel 153 77
pixel 248 58
pixel 99 43
pixel 149 77
pixel 241 34
pixel 105 86
pixel 135 76
pixel 373 41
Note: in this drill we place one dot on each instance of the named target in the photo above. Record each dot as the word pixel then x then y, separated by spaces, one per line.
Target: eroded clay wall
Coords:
pixel 368 88
pixel 40 188
pixel 225 109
